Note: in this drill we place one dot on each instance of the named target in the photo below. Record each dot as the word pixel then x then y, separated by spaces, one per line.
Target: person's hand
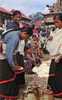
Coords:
pixel 17 67
pixel 50 38
pixel 57 59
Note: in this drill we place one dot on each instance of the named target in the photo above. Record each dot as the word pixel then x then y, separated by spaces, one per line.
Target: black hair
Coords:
pixel 28 30
pixel 16 12
pixel 59 16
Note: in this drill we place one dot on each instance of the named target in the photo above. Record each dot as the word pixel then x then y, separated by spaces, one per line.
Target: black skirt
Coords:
pixel 7 81
pixel 20 75
pixel 55 82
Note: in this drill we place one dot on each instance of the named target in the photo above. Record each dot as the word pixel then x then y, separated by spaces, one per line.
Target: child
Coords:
pixel 29 59
pixel 36 49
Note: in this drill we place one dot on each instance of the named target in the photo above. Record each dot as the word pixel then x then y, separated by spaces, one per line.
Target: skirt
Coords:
pixel 20 75
pixel 55 82
pixel 7 81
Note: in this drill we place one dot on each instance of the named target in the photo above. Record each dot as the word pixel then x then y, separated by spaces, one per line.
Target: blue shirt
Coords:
pixel 11 40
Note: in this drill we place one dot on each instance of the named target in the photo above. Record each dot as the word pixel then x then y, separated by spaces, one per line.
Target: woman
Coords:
pixel 55 49
pixel 7 77
pixel 15 41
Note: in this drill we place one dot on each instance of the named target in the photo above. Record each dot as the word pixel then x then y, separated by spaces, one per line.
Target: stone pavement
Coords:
pixel 34 89
pixel 58 99
pixel 33 97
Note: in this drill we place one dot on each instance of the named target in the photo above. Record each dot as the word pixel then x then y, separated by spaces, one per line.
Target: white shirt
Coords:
pixel 55 45
pixel 21 46
pixel 3 54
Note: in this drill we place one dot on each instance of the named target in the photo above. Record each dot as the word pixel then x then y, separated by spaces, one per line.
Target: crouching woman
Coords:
pixel 7 77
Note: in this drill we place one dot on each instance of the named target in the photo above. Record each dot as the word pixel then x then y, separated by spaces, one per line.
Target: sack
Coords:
pixel 43 69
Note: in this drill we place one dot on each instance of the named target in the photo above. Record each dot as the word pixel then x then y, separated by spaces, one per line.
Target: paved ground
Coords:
pixel 34 89
pixel 32 97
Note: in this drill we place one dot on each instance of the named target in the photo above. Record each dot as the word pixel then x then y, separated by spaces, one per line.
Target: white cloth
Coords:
pixel 3 54
pixel 43 69
pixel 55 45
pixel 21 46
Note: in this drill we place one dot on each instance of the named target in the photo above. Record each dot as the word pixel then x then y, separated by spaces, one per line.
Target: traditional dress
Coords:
pixel 55 81
pixel 37 52
pixel 19 60
pixel 7 77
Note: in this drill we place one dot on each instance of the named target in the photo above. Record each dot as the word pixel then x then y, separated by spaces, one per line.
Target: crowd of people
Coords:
pixel 23 48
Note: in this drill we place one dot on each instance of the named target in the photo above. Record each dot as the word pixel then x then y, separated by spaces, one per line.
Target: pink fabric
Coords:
pixel 36 34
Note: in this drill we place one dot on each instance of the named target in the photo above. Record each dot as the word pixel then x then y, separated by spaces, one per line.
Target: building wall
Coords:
pixel 58 6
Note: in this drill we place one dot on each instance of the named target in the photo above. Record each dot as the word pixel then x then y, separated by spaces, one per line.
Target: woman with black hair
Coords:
pixel 55 81
pixel 7 76
pixel 11 70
